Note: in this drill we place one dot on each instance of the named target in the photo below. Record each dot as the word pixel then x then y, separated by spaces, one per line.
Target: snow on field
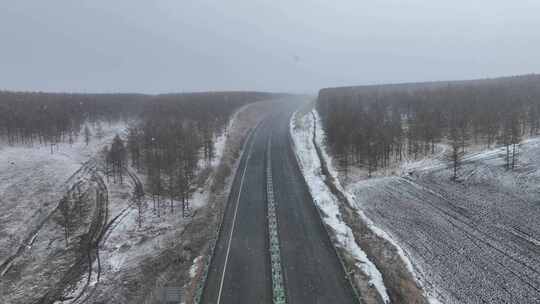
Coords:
pixel 301 130
pixel 476 241
pixel 408 165
pixel 32 181
pixel 127 244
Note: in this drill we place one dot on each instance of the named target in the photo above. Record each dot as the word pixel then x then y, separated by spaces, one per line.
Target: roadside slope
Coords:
pixel 369 253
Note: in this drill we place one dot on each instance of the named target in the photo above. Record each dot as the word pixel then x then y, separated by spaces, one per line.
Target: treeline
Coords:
pixel 373 126
pixel 27 118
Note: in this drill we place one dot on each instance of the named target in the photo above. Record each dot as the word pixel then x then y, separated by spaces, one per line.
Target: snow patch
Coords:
pixel 195 266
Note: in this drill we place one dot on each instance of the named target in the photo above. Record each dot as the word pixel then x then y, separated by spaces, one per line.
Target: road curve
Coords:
pixel 240 270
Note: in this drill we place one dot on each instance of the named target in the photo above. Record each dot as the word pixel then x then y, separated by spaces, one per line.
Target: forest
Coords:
pixel 167 135
pixel 176 132
pixel 375 126
pixel 29 118
pixel 33 117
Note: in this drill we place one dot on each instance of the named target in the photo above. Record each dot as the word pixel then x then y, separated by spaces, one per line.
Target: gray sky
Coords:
pixel 277 45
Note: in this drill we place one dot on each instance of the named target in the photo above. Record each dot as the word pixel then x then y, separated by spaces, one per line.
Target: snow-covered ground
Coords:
pixel 125 245
pixel 32 182
pixel 476 241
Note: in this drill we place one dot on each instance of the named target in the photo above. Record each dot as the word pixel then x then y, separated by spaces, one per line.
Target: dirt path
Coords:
pixel 88 249
pixel 97 235
pixel 75 181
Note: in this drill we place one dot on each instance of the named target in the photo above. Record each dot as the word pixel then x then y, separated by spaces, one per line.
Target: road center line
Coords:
pixel 278 284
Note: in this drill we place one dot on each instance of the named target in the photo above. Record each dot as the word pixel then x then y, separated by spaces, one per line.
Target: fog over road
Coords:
pixel 240 271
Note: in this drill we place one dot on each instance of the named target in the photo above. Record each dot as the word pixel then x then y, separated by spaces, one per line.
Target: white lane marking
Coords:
pixel 234 218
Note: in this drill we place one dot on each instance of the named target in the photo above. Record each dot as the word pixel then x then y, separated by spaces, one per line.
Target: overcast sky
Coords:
pixel 275 45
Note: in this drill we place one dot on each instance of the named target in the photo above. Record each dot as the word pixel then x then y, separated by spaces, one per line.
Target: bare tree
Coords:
pixel 455 139
pixel 117 158
pixel 138 196
pixel 65 211
pixel 87 135
pixel 515 137
pixel 134 146
pixel 100 133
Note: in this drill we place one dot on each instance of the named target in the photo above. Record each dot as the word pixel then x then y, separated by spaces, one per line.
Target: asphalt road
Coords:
pixel 240 270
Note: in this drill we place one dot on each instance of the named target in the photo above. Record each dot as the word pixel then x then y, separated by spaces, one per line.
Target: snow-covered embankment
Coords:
pixel 377 259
